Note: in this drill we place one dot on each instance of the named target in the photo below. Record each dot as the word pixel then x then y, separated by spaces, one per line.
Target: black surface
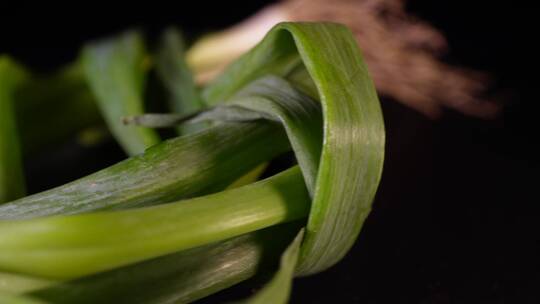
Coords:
pixel 455 219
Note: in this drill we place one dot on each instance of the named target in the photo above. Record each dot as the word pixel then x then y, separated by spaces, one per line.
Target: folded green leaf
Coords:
pixel 300 115
pixel 353 142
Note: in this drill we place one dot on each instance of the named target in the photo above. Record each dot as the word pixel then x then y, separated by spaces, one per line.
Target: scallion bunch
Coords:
pixel 189 216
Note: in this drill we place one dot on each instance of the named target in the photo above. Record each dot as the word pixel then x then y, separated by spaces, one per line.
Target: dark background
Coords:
pixel 455 219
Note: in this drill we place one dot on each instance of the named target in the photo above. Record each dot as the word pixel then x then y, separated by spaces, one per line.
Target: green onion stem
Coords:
pixel 66 247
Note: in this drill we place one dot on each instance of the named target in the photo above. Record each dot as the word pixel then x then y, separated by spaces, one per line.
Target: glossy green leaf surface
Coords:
pixel 274 99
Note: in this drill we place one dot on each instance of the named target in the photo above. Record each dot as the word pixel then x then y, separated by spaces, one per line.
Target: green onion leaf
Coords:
pixel 65 247
pixel 179 277
pixel 115 72
pixel 353 141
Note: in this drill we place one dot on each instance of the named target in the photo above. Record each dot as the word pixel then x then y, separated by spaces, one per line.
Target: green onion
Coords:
pixel 101 238
pixel 17 283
